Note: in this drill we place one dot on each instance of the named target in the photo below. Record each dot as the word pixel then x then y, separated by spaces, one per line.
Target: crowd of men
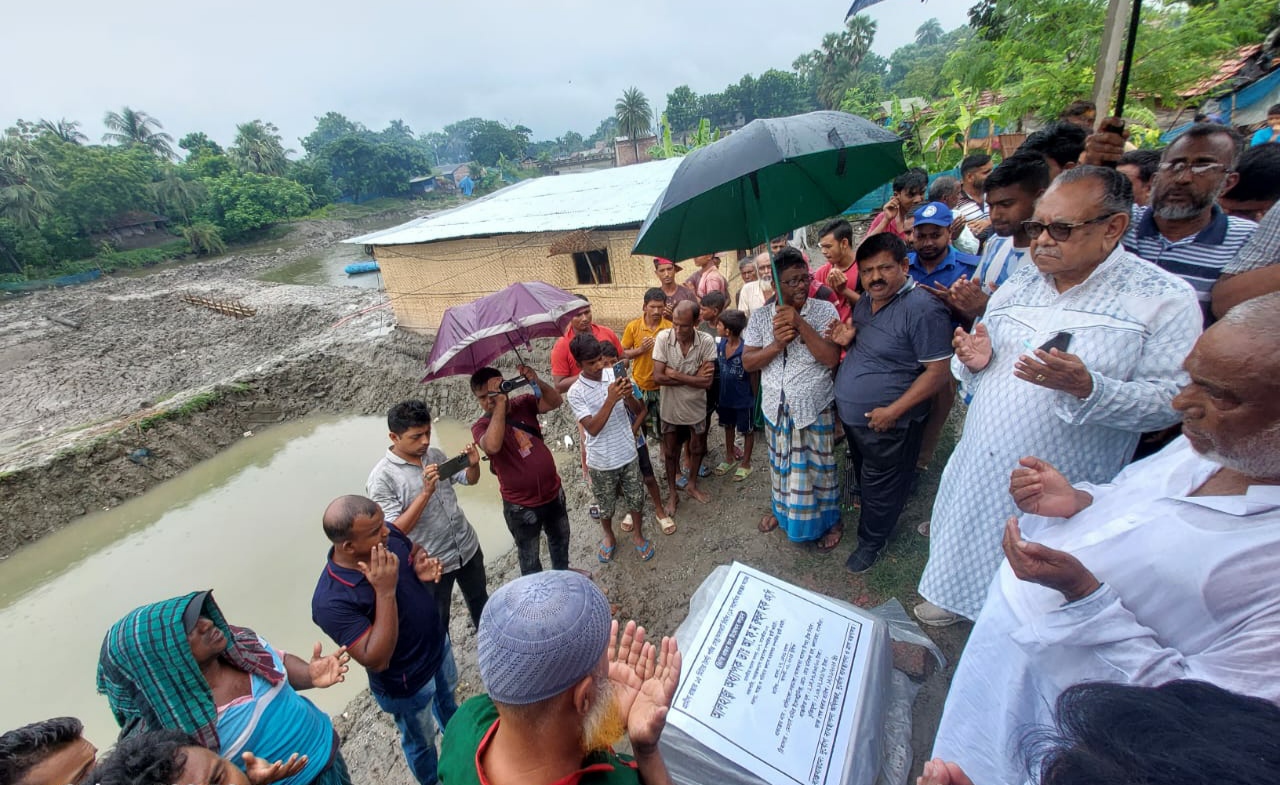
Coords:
pixel 1109 519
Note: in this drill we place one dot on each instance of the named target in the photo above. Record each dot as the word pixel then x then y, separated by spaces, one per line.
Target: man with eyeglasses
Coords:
pixel 1078 353
pixel 1184 230
pixel 786 341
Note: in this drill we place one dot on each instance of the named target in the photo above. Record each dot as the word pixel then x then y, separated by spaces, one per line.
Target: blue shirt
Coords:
pixel 289 723
pixel 735 382
pixel 1263 135
pixel 343 606
pixel 889 351
pixel 948 271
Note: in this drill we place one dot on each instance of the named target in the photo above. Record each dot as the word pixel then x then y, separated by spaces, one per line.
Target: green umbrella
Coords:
pixel 767 179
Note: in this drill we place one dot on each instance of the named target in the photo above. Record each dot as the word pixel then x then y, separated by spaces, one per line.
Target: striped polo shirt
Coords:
pixel 1197 259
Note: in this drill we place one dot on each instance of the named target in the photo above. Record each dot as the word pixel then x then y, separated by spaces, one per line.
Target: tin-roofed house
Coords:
pixel 574 231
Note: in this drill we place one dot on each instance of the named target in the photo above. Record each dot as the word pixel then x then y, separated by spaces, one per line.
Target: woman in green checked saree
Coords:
pixel 178 665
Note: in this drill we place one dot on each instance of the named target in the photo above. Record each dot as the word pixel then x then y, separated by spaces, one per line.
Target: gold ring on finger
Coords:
pixel 1039 377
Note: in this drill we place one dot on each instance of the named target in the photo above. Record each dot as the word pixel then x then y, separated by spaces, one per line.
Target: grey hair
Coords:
pixel 1117 191
pixel 943 187
pixel 1260 316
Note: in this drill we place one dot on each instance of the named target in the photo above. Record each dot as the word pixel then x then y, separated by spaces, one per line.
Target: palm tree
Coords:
pixel 840 57
pixel 177 196
pixel 258 148
pixel 64 129
pixel 634 117
pixel 131 126
pixel 929 33
pixel 26 188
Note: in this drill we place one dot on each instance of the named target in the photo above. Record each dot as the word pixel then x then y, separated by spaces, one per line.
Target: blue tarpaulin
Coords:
pixel 872 202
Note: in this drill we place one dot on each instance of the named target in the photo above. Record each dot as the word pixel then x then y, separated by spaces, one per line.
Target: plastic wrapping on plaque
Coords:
pixel 780 686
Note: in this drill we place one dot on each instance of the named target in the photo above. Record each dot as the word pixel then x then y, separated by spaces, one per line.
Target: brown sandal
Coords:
pixel 824 542
pixel 767 524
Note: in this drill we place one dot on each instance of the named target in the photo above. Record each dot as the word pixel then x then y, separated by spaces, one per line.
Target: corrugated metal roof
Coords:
pixel 608 197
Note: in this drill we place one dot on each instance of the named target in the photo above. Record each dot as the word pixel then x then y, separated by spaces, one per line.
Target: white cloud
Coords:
pixel 552 66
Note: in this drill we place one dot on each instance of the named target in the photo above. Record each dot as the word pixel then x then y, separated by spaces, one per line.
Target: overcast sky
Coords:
pixel 553 66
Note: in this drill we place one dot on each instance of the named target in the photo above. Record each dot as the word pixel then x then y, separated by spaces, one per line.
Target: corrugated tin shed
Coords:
pixel 589 200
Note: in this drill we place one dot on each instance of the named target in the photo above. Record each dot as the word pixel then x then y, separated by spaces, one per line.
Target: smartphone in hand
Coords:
pixel 619 370
pixel 1061 342
pixel 454 465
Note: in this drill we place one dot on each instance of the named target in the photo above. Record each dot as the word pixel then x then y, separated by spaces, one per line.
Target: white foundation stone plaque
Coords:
pixel 775 680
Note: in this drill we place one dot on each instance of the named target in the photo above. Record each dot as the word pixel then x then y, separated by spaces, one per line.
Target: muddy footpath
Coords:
pixel 95 376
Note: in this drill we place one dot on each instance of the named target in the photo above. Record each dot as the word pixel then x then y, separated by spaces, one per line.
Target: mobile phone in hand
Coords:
pixel 619 370
pixel 454 465
pixel 1060 342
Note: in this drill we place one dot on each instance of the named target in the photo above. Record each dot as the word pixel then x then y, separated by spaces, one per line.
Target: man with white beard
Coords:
pixel 1166 573
pixel 562 689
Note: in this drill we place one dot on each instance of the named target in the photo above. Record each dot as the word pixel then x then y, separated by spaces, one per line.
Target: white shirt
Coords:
pixel 1188 593
pixel 808 384
pixel 614 446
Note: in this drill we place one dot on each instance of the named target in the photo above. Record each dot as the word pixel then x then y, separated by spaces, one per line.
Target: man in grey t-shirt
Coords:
pixel 407 485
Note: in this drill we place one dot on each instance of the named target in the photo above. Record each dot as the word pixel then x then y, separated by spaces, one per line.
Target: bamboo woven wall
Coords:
pixel 423 280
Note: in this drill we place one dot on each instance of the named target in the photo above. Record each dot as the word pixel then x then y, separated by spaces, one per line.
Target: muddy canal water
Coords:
pixel 245 523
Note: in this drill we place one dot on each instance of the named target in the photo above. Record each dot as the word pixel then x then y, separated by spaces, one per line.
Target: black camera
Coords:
pixel 507 385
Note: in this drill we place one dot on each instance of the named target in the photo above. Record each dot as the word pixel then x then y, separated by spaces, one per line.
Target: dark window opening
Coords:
pixel 592 267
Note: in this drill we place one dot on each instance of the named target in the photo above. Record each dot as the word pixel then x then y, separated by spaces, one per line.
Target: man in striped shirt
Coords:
pixel 1184 231
pixel 974 170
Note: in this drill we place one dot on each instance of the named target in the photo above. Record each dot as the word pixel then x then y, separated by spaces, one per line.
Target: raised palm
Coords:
pixel 643 682
pixel 648 715
pixel 973 349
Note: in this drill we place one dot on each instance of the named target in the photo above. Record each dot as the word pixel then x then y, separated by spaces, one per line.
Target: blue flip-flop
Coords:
pixel 682 481
pixel 646 551
pixel 605 554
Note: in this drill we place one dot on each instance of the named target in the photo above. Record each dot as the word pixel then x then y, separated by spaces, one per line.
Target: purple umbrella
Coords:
pixel 473 335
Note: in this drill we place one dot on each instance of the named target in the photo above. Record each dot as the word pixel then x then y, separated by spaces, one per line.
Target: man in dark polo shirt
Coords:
pixel 371 598
pixel 899 350
pixel 532 498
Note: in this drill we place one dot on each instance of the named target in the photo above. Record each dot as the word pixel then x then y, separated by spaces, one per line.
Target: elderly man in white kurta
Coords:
pixel 1122 327
pixel 1168 573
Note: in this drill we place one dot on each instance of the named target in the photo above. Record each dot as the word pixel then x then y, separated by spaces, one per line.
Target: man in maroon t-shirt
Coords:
pixel 532 498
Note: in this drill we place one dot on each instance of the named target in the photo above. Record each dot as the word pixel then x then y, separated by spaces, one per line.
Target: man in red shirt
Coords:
pixel 532 496
pixel 840 273
pixel 564 371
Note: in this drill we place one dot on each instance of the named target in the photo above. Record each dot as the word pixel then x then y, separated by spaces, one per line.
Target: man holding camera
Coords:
pixel 532 497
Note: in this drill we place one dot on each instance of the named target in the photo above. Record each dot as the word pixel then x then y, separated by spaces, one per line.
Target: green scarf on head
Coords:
pixel 151 679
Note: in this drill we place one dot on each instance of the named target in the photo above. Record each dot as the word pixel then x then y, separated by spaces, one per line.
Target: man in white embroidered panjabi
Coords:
pixel 1078 353
pixel 1166 573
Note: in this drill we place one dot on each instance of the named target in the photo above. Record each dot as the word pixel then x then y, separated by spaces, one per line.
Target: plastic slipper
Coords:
pixel 668 525
pixel 724 468
pixel 605 555
pixel 646 551
pixel 742 473
pixel 682 481
pixel 627 524
pixel 703 471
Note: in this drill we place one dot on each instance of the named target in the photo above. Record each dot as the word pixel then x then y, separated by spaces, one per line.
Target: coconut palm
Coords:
pixel 258 148
pixel 64 129
pixel 26 188
pixel 929 33
pixel 133 126
pixel 634 116
pixel 176 196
